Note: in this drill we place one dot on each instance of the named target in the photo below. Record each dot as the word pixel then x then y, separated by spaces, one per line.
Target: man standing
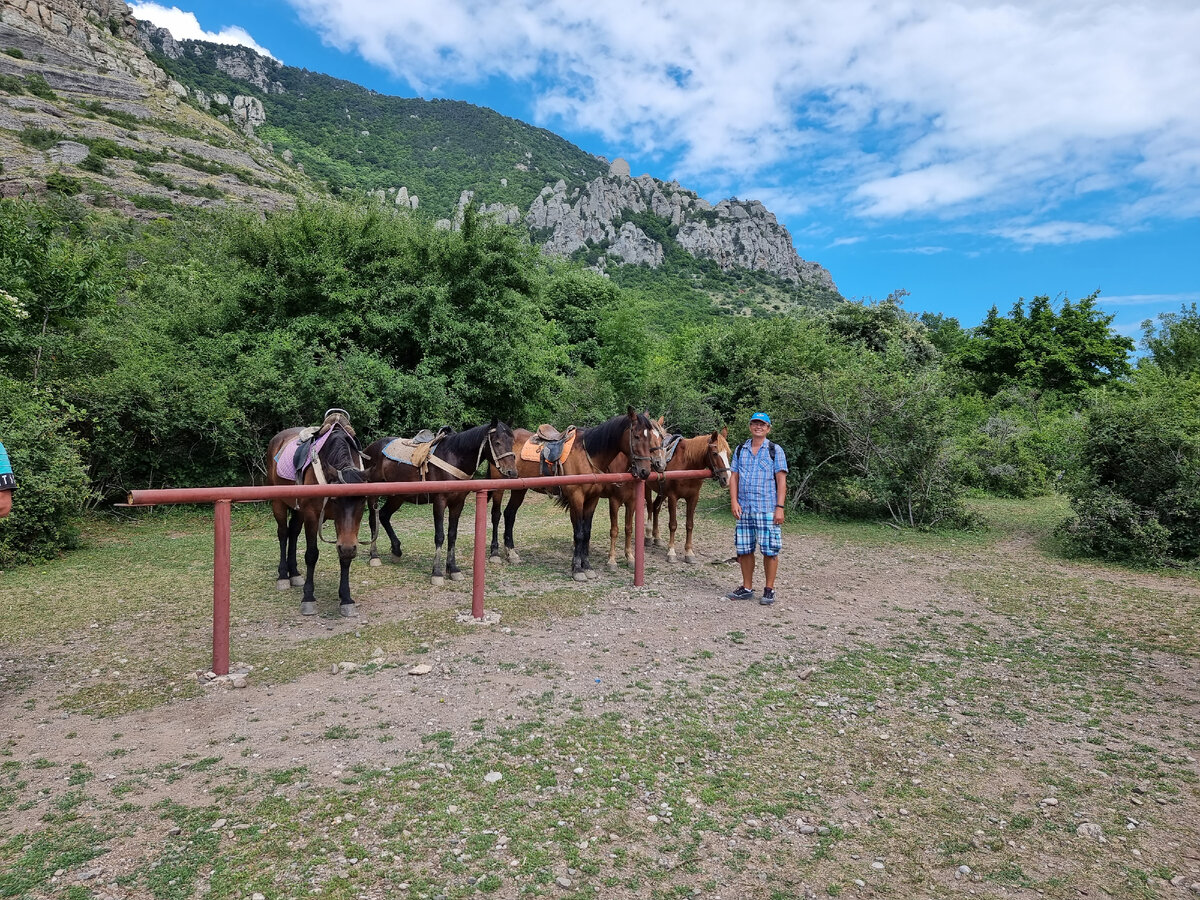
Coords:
pixel 757 488
pixel 7 483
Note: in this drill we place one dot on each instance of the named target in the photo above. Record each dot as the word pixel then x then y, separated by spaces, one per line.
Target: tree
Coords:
pixel 1067 351
pixel 1174 346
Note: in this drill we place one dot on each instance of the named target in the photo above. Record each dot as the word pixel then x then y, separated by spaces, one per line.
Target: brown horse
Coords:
pixel 621 496
pixel 454 456
pixel 628 443
pixel 705 451
pixel 341 461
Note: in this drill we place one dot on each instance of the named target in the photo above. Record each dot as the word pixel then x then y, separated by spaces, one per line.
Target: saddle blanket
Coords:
pixel 531 450
pixel 671 444
pixel 409 451
pixel 285 459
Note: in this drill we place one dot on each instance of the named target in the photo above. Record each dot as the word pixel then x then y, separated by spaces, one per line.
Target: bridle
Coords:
pixel 490 442
pixel 714 458
pixel 635 457
pixel 356 457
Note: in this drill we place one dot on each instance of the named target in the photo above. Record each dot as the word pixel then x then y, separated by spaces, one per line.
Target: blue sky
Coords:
pixel 969 152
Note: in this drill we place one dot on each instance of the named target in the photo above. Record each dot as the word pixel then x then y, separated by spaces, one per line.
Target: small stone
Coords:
pixel 258 896
pixel 492 777
pixel 1091 831
pixel 876 865
pixel 1050 801
pixel 563 881
pixel 423 669
pixel 217 825
pixel 964 870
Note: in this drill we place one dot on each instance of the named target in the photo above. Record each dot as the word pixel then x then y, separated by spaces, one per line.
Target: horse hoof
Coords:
pixel 689 559
pixel 397 554
pixel 612 565
pixel 671 557
pixel 348 610
pixel 496 558
pixel 592 574
pixel 282 584
pixel 297 581
pixel 456 576
pixel 580 576
pixel 376 561
pixel 437 580
pixel 308 608
pixel 514 557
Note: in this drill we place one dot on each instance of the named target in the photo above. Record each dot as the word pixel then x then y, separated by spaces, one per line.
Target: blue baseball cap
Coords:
pixel 761 417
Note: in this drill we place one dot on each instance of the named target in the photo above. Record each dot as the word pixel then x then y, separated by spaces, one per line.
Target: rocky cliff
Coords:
pixel 85 111
pixel 603 215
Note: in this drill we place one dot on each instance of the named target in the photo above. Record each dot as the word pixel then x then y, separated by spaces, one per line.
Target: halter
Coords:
pixel 715 457
pixel 491 445
pixel 634 457
pixel 356 457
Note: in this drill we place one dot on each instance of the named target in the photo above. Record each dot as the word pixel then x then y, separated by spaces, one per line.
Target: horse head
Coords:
pixel 341 453
pixel 500 448
pixel 645 445
pixel 718 455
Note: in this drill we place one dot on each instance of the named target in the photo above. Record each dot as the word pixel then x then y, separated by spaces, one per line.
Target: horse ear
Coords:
pixel 631 413
pixel 713 437
pixel 661 421
pixel 725 431
pixel 495 421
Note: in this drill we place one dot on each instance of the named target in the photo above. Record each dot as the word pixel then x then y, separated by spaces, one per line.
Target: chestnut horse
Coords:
pixel 705 451
pixel 341 461
pixel 628 443
pixel 461 451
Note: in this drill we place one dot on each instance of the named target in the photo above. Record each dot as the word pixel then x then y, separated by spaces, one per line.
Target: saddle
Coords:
pixel 415 451
pixel 304 448
pixel 297 454
pixel 671 444
pixel 549 447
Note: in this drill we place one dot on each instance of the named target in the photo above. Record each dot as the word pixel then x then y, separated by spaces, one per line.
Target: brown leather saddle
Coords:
pixel 549 447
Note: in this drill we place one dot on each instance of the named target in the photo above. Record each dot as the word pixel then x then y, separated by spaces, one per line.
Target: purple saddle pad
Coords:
pixel 285 459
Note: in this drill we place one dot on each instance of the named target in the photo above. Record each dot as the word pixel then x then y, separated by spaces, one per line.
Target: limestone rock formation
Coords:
pixel 248 113
pixel 733 233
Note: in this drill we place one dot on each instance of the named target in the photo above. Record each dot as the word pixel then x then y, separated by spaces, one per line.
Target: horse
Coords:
pixel 454 456
pixel 625 443
pixel 340 460
pixel 705 451
pixel 621 495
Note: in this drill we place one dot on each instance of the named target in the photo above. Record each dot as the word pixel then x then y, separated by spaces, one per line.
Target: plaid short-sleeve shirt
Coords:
pixel 756 476
pixel 7 481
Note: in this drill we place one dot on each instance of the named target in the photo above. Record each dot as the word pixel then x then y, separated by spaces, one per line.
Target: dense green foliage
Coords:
pixel 355 139
pixel 168 353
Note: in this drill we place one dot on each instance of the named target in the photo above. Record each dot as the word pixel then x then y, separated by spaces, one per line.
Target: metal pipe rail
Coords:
pixel 222 499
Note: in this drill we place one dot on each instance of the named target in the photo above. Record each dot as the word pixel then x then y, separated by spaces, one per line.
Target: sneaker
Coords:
pixel 740 593
pixel 768 597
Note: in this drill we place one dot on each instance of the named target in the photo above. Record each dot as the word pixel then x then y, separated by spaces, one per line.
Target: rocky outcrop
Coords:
pixel 246 65
pixel 602 214
pixel 248 113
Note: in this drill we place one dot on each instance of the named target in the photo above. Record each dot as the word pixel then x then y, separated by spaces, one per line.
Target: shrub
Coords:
pixel 93 163
pixel 14 52
pixel 52 483
pixel 150 201
pixel 36 85
pixel 1136 491
pixel 40 138
pixel 63 184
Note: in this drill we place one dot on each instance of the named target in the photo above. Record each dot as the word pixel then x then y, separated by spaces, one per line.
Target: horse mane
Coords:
pixel 462 442
pixel 608 435
pixel 339 450
pixel 695 451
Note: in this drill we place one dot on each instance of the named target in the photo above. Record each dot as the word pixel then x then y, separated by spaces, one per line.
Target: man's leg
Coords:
pixel 746 561
pixel 770 567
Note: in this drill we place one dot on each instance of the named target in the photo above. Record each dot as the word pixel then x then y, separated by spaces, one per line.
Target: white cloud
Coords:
pixel 1174 300
pixel 184 26
pixel 946 107
pixel 1057 233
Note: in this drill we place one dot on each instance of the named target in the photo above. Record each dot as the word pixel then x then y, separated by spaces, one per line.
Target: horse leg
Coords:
pixel 439 536
pixel 385 517
pixel 455 508
pixel 515 499
pixel 589 513
pixel 672 525
pixel 688 555
pixel 373 518
pixel 614 510
pixel 348 520
pixel 295 579
pixel 308 605
pixel 577 571
pixel 494 553
pixel 281 530
pixel 655 505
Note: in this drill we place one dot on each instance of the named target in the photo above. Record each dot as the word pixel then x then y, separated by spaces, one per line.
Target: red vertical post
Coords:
pixel 639 533
pixel 222 522
pixel 477 571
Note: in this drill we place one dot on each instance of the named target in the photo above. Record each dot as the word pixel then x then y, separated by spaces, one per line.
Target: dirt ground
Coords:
pixel 836 597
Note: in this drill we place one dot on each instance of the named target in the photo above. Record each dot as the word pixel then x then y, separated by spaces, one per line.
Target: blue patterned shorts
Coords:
pixel 760 529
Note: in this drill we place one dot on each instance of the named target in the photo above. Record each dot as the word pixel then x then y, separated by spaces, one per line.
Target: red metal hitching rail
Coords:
pixel 222 499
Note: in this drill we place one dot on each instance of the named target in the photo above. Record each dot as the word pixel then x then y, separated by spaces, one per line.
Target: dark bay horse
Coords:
pixel 341 462
pixel 628 443
pixel 461 452
pixel 705 451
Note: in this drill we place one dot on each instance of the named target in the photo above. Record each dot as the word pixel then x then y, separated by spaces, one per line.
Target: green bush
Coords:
pixel 63 184
pixel 40 138
pixel 93 163
pixel 1136 485
pixel 52 483
pixel 36 85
